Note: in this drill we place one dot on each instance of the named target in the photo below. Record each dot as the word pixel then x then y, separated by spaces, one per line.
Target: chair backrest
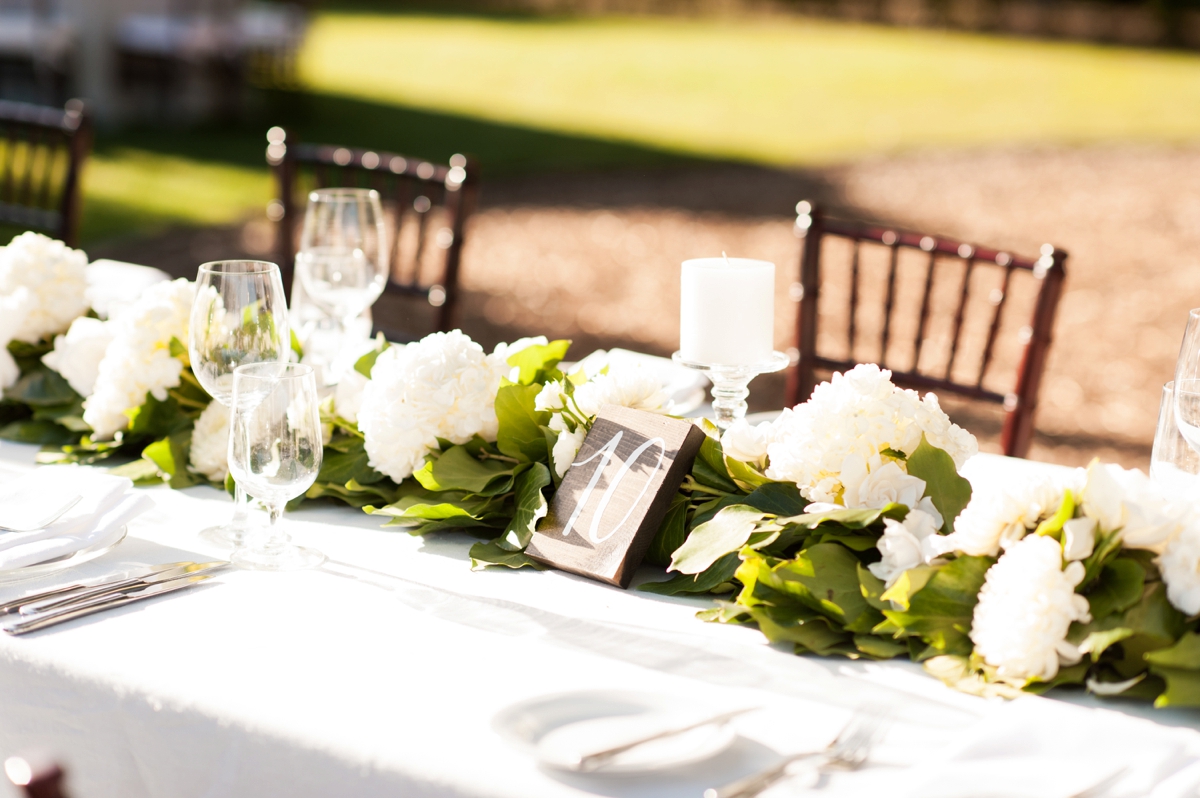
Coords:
pixel 42 151
pixel 427 206
pixel 954 297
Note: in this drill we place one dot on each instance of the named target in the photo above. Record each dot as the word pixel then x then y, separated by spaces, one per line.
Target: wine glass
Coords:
pixel 239 316
pixel 275 452
pixel 1173 463
pixel 342 265
pixel 1187 382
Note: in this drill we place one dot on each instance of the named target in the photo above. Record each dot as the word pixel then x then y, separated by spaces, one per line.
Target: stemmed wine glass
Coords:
pixel 1173 462
pixel 342 264
pixel 239 317
pixel 275 452
pixel 1187 383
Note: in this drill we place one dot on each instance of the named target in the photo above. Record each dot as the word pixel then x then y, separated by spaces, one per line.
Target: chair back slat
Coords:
pixel 923 319
pixel 966 345
pixel 413 192
pixel 994 329
pixel 35 190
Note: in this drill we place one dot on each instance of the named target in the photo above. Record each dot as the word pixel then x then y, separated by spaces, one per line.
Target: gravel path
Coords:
pixel 596 258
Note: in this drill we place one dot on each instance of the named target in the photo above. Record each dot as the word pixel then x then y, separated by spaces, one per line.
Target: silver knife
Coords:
pixel 74 611
pixel 16 604
pixel 123 586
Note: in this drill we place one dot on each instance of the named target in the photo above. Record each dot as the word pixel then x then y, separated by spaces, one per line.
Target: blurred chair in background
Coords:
pixel 953 318
pixel 426 205
pixel 42 151
pixel 35 778
pixel 35 52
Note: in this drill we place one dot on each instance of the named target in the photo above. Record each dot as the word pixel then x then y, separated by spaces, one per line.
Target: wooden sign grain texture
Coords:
pixel 614 497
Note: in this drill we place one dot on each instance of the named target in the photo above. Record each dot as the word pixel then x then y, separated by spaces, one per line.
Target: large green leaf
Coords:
pixel 949 492
pixel 536 361
pixel 1118 588
pixel 45 433
pixel 727 532
pixel 778 498
pixel 157 419
pixel 487 553
pixel 825 578
pixel 531 507
pixel 719 573
pixel 170 454
pixel 671 533
pixel 940 612
pixel 520 433
pixel 457 469
pixel 709 467
pixel 42 387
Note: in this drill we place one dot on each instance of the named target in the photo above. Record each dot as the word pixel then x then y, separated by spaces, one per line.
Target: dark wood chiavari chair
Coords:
pixel 413 193
pixel 42 151
pixel 35 779
pixel 1019 403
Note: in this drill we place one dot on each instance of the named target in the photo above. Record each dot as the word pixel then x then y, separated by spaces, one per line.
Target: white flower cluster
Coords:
pixel 13 308
pixel 834 445
pixel 139 361
pixel 627 384
pixel 77 354
pixel 443 386
pixel 210 443
pixel 55 277
pixel 1028 601
pixel 1025 608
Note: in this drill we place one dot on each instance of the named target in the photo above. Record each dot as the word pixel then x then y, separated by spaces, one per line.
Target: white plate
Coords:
pixel 10 575
pixel 555 729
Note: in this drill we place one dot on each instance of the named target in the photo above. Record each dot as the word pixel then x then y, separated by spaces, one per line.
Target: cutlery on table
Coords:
pixel 595 759
pixel 170 573
pixel 88 584
pixel 100 604
pixel 44 521
pixel 848 752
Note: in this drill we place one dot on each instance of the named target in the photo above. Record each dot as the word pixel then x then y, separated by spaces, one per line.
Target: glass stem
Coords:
pixel 275 537
pixel 241 508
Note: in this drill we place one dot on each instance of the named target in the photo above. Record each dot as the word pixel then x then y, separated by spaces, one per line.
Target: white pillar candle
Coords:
pixel 727 313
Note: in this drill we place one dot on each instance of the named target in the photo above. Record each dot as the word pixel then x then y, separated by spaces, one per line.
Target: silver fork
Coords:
pixel 46 520
pixel 848 752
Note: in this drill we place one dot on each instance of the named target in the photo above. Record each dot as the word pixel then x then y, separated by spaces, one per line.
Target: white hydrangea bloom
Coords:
pixel 13 309
pixel 77 354
pixel 56 277
pixel 139 361
pixel 997 519
pixel 625 384
pixel 565 449
pixel 444 386
pixel 1025 608
pixel 906 545
pixel 1180 566
pixel 210 443
pixel 848 423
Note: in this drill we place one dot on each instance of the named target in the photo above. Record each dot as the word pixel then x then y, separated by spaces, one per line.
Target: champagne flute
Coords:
pixel 1187 382
pixel 1173 463
pixel 275 452
pixel 342 265
pixel 239 316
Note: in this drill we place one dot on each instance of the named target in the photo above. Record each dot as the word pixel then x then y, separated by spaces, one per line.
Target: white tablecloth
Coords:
pixel 380 673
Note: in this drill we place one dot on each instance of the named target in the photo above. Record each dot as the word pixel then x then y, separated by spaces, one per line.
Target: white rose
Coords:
pixel 1079 538
pixel 209 454
pixel 886 484
pixel 551 397
pixel 56 277
pixel 906 545
pixel 1180 566
pixel 77 354
pixel 995 520
pixel 565 449
pixel 1130 502
pixel 349 395
pixel 1102 498
pixel 746 442
pixel 626 385
pixel 1027 605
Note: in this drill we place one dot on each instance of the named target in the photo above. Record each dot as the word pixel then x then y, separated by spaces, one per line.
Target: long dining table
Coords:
pixel 383 672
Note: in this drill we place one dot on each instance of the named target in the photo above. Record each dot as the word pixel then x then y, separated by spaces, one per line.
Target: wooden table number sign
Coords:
pixel 613 498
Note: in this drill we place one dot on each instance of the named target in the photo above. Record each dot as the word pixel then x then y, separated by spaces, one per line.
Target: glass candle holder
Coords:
pixel 730 384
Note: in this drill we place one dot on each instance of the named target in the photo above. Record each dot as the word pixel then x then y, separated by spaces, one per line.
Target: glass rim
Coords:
pixel 343 192
pixel 254 266
pixel 284 371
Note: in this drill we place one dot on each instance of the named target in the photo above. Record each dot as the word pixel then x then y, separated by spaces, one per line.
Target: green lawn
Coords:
pixel 529 93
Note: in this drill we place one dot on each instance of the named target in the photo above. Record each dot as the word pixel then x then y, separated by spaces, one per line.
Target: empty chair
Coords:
pixel 426 205
pixel 42 151
pixel 939 313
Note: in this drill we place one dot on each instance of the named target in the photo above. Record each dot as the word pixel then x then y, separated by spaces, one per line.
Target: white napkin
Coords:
pixel 107 505
pixel 1037 748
